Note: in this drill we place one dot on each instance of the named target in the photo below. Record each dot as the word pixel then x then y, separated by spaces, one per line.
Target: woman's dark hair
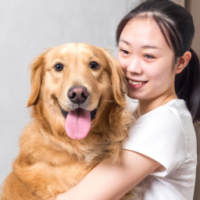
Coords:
pixel 176 25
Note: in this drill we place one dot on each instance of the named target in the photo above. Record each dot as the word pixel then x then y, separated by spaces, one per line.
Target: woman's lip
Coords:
pixel 133 80
pixel 136 84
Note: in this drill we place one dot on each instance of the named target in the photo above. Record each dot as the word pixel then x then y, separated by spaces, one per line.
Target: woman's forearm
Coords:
pixel 111 182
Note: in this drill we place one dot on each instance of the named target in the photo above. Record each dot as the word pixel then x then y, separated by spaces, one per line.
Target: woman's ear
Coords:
pixel 117 78
pixel 183 62
pixel 36 78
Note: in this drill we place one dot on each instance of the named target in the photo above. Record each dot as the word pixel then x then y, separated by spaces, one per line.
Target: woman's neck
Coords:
pixel 146 106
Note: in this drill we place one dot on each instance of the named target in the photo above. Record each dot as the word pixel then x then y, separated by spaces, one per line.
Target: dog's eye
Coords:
pixel 59 67
pixel 94 65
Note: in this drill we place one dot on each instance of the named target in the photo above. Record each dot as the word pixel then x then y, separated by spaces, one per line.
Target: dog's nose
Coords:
pixel 78 94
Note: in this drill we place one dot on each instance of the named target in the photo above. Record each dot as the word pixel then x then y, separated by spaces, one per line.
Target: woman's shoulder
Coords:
pixel 162 133
pixel 171 122
pixel 174 113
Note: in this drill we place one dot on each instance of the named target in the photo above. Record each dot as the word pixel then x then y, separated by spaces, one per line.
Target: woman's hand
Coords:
pixel 111 182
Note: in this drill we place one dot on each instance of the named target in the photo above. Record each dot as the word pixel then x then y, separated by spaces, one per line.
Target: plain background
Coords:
pixel 26 29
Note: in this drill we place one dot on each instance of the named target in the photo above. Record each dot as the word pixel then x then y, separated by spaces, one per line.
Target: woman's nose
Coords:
pixel 134 66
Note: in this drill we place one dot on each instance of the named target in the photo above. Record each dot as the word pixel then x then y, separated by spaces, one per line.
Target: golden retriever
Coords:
pixel 79 119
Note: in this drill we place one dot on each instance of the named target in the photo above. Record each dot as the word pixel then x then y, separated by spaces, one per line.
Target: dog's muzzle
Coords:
pixel 78 95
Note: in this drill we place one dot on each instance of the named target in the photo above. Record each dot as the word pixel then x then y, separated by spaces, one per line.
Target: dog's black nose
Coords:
pixel 78 94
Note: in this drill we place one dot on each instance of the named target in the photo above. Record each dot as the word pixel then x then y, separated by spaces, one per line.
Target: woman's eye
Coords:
pixel 94 65
pixel 124 51
pixel 148 56
pixel 59 67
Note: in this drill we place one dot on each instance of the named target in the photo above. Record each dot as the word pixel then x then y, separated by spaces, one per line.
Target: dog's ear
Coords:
pixel 36 78
pixel 117 78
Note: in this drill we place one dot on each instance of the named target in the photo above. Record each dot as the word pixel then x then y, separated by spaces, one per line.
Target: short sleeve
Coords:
pixel 160 136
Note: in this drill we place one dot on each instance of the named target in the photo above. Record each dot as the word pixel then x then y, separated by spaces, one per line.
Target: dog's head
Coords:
pixel 73 85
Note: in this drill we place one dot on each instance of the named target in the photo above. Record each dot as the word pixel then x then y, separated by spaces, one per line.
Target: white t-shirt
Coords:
pixel 166 134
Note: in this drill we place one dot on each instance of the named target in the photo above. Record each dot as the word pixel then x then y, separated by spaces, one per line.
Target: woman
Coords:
pixel 163 73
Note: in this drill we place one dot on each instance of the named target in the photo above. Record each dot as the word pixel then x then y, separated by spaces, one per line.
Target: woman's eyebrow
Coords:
pixel 124 41
pixel 150 47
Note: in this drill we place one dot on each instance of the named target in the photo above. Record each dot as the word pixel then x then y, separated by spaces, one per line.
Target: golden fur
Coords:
pixel 49 161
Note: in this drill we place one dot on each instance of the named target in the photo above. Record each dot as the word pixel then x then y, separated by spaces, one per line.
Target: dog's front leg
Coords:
pixel 44 181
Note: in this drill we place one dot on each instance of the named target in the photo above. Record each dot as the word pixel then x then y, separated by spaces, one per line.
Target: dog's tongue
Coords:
pixel 78 123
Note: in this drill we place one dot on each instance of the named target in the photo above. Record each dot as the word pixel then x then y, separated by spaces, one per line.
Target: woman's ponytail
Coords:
pixel 187 86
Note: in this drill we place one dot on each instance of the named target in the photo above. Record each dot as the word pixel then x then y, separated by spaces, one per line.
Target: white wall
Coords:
pixel 26 29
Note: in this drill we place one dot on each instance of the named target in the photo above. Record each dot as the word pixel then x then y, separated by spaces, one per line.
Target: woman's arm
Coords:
pixel 111 182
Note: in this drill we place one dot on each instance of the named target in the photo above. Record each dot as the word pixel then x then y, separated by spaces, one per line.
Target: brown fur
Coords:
pixel 49 161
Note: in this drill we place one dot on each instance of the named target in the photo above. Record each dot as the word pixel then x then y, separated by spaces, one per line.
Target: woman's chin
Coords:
pixel 135 96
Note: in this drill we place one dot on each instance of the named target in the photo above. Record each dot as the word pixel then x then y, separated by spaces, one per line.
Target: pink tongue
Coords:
pixel 78 123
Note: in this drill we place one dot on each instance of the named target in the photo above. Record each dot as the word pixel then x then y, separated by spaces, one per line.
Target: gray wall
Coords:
pixel 26 29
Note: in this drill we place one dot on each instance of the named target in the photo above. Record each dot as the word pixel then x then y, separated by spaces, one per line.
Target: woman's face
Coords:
pixel 146 60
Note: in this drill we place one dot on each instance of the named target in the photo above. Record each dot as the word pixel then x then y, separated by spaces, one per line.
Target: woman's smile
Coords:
pixel 136 84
